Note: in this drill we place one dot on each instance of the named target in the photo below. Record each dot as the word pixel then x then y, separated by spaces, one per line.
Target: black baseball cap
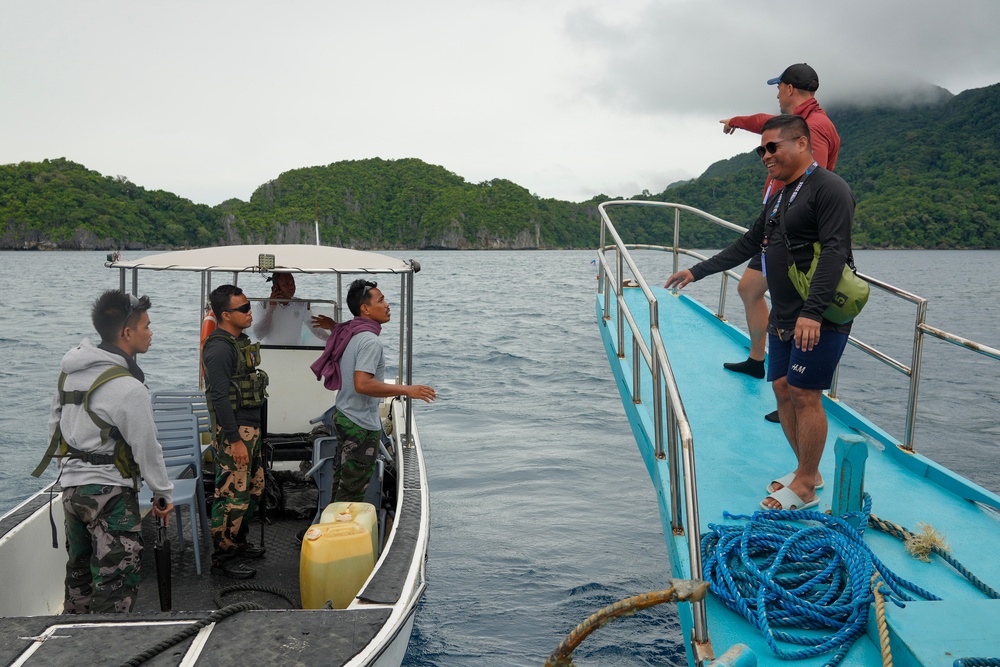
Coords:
pixel 801 76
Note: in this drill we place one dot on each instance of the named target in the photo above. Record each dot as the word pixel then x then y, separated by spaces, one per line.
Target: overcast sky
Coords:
pixel 568 98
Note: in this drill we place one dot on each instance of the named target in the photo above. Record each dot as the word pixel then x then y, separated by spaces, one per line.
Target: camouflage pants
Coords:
pixel 358 451
pixel 237 491
pixel 104 543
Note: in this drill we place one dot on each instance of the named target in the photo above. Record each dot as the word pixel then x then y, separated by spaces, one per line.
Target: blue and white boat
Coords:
pixel 710 456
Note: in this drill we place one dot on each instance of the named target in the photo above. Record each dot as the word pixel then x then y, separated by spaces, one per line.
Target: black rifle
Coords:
pixel 161 552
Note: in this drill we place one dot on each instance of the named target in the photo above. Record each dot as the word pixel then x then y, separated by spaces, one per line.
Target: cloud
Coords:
pixel 568 98
pixel 708 57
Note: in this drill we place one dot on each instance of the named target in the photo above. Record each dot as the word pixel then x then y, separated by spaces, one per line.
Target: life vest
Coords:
pixel 121 458
pixel 248 384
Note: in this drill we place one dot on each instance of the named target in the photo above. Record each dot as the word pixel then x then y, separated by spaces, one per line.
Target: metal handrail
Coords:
pixel 680 441
pixel 669 417
pixel 920 329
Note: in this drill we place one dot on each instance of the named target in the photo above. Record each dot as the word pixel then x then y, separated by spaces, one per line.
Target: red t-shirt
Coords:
pixel 825 140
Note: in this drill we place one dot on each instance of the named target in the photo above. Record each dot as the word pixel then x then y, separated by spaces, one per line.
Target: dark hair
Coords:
pixel 219 298
pixel 789 126
pixel 357 295
pixel 114 311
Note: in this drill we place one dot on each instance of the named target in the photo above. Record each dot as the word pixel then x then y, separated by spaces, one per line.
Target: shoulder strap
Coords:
pixel 57 445
pixel 107 376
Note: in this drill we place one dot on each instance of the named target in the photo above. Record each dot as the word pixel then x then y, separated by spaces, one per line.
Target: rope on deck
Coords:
pixel 253 588
pixel 777 575
pixel 681 590
pixel 189 631
pixel 932 545
pixel 880 622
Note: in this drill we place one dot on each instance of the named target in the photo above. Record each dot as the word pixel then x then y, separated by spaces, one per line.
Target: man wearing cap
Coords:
pixel 797 87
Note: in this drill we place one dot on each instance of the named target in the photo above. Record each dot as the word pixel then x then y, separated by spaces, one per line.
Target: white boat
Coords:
pixel 372 630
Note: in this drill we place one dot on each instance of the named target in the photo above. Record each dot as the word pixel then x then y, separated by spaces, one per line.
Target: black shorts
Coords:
pixel 755 263
pixel 805 370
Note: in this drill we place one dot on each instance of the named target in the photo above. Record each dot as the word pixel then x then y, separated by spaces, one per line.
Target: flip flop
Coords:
pixel 789 501
pixel 785 481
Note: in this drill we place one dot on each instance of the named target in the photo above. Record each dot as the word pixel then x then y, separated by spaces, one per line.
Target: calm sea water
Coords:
pixel 542 512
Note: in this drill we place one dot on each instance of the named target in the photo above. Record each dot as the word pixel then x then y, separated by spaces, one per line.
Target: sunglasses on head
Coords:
pixel 245 308
pixel 134 302
pixel 772 146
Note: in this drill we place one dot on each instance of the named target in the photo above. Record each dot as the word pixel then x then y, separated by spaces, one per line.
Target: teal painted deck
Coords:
pixel 738 453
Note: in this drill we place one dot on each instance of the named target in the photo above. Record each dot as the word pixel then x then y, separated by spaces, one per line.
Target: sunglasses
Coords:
pixel 772 146
pixel 134 303
pixel 245 308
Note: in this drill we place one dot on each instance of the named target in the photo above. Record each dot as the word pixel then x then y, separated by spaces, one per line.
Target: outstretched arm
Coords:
pixel 365 383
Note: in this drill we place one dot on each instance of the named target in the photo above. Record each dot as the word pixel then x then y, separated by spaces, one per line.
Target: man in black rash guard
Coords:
pixel 805 348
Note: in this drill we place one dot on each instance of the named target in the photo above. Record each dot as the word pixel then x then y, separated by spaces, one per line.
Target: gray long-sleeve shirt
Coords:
pixel 123 402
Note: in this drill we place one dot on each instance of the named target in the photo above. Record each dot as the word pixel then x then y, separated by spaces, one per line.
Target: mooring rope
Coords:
pixel 934 546
pixel 190 631
pixel 818 577
pixel 222 613
pixel 681 590
pixel 880 622
pixel 253 588
pixel 781 575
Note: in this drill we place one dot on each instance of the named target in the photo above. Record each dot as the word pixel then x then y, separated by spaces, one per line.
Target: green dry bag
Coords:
pixel 851 295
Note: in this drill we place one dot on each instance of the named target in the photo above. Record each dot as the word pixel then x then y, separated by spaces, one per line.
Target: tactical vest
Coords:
pixel 58 447
pixel 248 384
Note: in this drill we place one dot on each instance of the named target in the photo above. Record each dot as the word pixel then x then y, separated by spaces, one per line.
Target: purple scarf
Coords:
pixel 328 364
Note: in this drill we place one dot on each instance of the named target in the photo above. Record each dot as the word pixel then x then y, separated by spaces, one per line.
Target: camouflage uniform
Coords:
pixel 235 392
pixel 358 451
pixel 237 490
pixel 100 505
pixel 104 541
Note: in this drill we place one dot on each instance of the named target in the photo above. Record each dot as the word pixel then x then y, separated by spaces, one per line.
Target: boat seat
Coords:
pixel 194 401
pixel 324 452
pixel 179 437
pixel 181 470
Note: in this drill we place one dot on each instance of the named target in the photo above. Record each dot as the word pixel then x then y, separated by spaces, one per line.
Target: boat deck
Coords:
pixel 279 569
pixel 282 633
pixel 737 453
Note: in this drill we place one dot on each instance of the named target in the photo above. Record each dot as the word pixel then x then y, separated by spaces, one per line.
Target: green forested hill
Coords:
pixel 409 204
pixel 924 176
pixel 58 203
pixel 364 204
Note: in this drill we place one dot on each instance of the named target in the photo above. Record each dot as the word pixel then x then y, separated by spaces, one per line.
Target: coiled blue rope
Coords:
pixel 779 575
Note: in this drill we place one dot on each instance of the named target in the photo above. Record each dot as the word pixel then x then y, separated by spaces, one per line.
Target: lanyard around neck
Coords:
pixel 795 193
pixel 780 219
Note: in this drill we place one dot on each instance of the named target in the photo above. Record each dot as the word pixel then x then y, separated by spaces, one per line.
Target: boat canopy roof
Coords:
pixel 288 258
